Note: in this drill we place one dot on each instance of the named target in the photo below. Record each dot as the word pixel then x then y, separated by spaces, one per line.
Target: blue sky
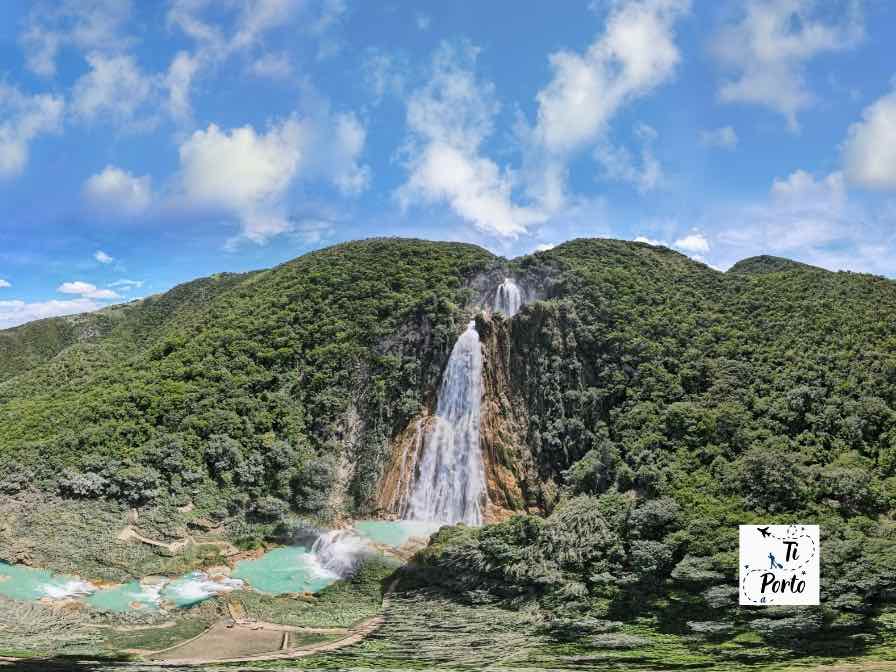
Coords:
pixel 145 144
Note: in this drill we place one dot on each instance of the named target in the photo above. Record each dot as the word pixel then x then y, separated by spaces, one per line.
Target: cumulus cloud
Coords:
pixel 244 172
pixel 4 283
pixel 102 257
pixel 23 118
pixel 114 88
pixel 722 138
pixel 16 312
pixel 693 243
pixel 869 153
pixel 635 54
pixel 449 119
pixel 767 49
pixel 116 190
pixel 544 247
pixel 247 174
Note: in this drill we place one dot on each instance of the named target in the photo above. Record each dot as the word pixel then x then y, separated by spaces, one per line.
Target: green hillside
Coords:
pixel 666 403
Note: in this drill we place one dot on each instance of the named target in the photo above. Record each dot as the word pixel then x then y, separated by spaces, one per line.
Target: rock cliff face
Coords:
pixel 512 482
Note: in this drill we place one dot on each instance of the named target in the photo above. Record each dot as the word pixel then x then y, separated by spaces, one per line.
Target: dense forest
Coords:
pixel 666 403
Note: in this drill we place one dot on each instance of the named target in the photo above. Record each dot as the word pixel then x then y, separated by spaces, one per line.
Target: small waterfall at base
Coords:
pixel 339 552
pixel 450 482
pixel 508 298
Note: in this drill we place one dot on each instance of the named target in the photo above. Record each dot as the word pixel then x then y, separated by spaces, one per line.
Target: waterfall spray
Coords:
pixel 339 552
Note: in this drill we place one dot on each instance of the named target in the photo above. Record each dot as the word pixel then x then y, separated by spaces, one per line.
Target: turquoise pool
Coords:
pixel 291 569
pixel 395 532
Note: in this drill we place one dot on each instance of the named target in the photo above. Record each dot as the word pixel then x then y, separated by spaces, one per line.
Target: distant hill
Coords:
pixel 769 264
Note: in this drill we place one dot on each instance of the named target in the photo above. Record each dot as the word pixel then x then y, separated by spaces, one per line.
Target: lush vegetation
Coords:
pixel 254 393
pixel 673 403
pixel 667 403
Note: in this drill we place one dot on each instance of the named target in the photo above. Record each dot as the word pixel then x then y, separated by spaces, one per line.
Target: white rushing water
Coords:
pixel 73 588
pixel 508 298
pixel 339 552
pixel 450 480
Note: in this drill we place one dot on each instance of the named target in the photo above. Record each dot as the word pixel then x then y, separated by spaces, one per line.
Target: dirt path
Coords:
pixel 236 643
pixel 243 641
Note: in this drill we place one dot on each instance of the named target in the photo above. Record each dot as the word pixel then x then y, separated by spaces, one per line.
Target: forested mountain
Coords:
pixel 660 403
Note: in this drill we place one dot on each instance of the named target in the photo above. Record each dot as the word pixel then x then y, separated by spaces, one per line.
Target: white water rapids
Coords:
pixel 450 480
pixel 508 298
pixel 339 552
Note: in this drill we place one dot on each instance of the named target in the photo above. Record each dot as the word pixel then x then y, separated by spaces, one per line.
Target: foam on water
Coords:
pixel 339 552
pixel 71 588
pixel 196 587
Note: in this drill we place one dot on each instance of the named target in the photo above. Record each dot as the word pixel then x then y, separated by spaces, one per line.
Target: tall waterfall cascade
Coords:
pixel 508 298
pixel 450 478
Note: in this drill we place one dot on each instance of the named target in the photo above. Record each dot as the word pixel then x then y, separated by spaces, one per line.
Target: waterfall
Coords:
pixel 508 298
pixel 339 552
pixel 450 482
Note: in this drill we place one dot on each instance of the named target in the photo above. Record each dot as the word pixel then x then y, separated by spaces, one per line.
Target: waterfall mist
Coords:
pixel 450 481
pixel 508 298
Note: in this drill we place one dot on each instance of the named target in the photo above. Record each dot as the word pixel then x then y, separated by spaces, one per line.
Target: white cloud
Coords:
pixel 127 285
pixel 619 164
pixel 260 16
pixel 694 243
pixel 768 48
pixel 247 174
pixel 544 247
pixel 810 218
pixel 86 290
pixel 423 20
pixel 82 24
pixel 272 66
pixel 114 87
pixel 384 73
pixel 635 54
pixel 449 119
pixel 115 190
pixel 651 241
pixel 244 172
pixel 869 153
pixel 801 188
pixel 4 283
pixel 76 287
pixel 102 257
pixel 178 81
pixel 14 313
pixel 252 21
pixel 22 119
pixel 723 138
